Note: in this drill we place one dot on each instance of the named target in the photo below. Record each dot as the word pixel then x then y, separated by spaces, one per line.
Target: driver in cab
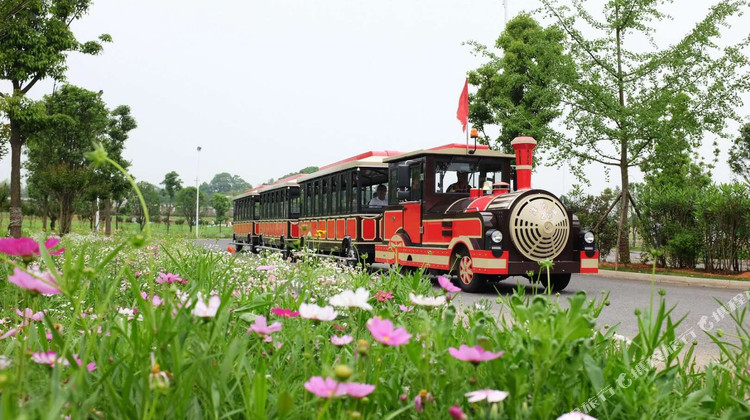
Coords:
pixel 461 185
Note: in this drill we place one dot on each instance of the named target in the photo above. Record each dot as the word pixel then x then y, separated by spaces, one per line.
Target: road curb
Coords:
pixel 677 280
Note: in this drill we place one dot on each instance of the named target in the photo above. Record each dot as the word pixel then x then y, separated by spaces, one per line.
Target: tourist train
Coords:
pixel 454 209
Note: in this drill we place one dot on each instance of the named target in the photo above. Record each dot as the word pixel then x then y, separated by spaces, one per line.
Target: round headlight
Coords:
pixel 588 237
pixel 497 237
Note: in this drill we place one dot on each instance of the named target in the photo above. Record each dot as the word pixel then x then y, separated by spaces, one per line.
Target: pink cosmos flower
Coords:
pixel 474 354
pixel 325 388
pixel 157 301
pixel 356 390
pixel 34 279
pixel 405 308
pixel 491 395
pixel 456 413
pixel 423 398
pixel 575 415
pixel 447 285
pixel 27 247
pixel 383 296
pixel 261 327
pixel 10 333
pixel 170 278
pixel 382 330
pixel 28 314
pixel 44 358
pixel 265 267
pixel 284 313
pixel 207 311
pixel 341 341
pixel 91 366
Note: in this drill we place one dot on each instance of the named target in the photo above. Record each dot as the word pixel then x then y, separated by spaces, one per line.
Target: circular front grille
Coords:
pixel 539 227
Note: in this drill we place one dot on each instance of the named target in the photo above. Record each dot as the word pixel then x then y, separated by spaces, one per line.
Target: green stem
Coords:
pixel 137 191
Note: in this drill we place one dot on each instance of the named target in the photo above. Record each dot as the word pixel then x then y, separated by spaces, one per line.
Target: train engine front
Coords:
pixel 467 213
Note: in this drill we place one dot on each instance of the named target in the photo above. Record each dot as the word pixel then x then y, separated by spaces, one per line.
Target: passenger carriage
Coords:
pixel 338 216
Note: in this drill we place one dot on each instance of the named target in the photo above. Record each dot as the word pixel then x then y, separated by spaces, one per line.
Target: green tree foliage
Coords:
pixel 221 204
pixel 517 90
pixel 225 183
pixel 739 155
pixel 307 170
pixel 590 210
pixel 186 204
pixel 172 184
pixel 621 101
pixel 151 195
pixel 57 164
pixel 35 40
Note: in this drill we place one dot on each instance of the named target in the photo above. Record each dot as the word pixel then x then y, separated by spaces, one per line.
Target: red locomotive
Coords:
pixel 468 211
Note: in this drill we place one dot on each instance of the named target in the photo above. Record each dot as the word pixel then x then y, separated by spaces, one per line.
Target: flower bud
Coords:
pixel 342 372
pixel 362 346
pixel 720 333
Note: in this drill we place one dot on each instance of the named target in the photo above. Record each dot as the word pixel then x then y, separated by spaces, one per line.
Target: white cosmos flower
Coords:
pixel 491 395
pixel 207 311
pixel 575 415
pixel 315 312
pixel 427 300
pixel 351 299
pixel 4 362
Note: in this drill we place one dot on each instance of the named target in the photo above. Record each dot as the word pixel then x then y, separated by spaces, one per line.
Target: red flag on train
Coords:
pixel 463 105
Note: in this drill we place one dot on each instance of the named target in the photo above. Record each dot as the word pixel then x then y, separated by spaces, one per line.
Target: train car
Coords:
pixel 473 213
pixel 342 207
pixel 268 216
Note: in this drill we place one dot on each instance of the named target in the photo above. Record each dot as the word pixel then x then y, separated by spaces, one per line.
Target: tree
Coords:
pixel 172 184
pixel 307 170
pixel 152 198
pixel 517 91
pixel 186 203
pixel 34 44
pixel 621 102
pixel 76 118
pixel 739 155
pixel 221 204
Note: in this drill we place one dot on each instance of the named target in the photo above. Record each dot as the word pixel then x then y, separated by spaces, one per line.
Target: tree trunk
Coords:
pixel 107 216
pixel 66 212
pixel 623 245
pixel 45 210
pixel 52 220
pixel 169 212
pixel 16 145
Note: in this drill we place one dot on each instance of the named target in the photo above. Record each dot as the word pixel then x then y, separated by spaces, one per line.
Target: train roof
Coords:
pixel 290 181
pixel 371 159
pixel 454 149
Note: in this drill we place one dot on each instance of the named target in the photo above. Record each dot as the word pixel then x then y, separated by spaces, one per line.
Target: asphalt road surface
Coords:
pixel 625 297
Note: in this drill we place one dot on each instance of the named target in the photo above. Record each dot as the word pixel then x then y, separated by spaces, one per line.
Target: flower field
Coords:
pixel 94 327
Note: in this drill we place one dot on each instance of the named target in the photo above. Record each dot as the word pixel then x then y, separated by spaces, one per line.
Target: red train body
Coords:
pixel 470 212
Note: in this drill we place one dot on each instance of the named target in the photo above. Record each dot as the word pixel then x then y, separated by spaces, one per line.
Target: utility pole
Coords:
pixel 505 11
pixel 197 193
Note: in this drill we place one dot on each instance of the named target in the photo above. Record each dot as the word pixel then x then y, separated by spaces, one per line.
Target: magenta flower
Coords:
pixel 28 314
pixel 35 280
pixel 575 415
pixel 265 267
pixel 10 333
pixel 423 398
pixel 383 296
pixel 382 330
pixel 474 354
pixel 456 413
pixel 261 327
pixel 447 285
pixel 284 313
pixel 325 388
pixel 356 390
pixel 170 278
pixel 44 358
pixel 91 366
pixel 341 341
pixel 27 247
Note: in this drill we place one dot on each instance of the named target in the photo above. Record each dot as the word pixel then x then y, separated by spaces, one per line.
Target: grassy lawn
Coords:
pixel 674 272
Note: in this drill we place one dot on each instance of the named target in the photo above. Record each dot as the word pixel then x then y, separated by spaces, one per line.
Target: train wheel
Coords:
pixel 238 247
pixel 558 282
pixel 468 280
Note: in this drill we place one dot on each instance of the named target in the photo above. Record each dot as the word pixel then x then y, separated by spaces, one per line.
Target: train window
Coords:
pixel 344 206
pixel 416 177
pixel 370 180
pixel 324 196
pixel 393 186
pixel 459 175
pixel 334 194
pixel 256 208
pixel 308 200
pixel 353 193
pixel 295 206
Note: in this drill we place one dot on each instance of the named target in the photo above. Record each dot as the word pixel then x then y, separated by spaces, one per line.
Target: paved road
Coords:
pixel 626 296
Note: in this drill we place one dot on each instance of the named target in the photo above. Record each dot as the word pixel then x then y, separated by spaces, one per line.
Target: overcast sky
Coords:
pixel 269 87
